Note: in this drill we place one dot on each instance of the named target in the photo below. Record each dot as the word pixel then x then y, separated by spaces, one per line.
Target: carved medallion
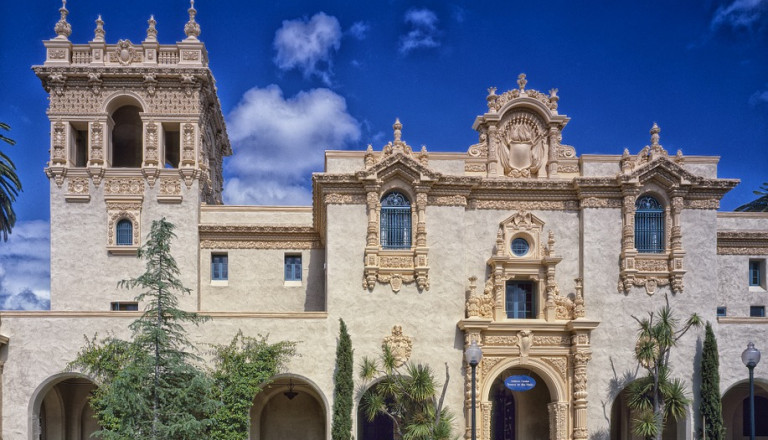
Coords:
pixel 399 346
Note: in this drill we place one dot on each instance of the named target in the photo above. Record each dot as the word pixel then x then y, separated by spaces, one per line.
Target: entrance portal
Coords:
pixel 290 408
pixel 736 412
pixel 64 412
pixel 380 428
pixel 518 415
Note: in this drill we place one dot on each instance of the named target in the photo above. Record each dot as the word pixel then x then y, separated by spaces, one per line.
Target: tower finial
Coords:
pixel 62 28
pixel 192 29
pixel 98 33
pixel 398 127
pixel 655 130
pixel 151 30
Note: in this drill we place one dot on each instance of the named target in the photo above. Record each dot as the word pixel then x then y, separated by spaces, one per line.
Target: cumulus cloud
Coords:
pixel 308 45
pixel 359 30
pixel 740 14
pixel 278 142
pixel 423 32
pixel 25 267
pixel 759 97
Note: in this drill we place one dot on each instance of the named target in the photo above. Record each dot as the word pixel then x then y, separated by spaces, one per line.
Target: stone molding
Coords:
pixel 742 243
pixel 258 237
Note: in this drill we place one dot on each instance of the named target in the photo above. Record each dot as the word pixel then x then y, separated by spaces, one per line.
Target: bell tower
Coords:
pixel 137 134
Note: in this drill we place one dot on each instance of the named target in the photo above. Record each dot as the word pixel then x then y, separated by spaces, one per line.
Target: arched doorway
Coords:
pixel 621 422
pixel 290 408
pixel 61 410
pixel 519 415
pixel 736 411
pixel 380 428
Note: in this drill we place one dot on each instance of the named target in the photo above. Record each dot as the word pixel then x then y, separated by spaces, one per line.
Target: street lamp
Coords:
pixel 473 356
pixel 751 357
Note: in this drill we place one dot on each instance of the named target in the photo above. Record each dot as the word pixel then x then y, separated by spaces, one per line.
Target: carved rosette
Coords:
pixel 123 186
pixel 399 346
pixel 170 187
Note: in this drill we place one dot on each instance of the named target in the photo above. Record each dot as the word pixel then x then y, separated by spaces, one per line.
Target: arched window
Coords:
pixel 124 232
pixel 395 221
pixel 127 137
pixel 649 225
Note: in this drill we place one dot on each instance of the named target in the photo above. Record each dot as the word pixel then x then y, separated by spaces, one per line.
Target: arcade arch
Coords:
pixel 290 408
pixel 736 410
pixel 622 415
pixel 60 409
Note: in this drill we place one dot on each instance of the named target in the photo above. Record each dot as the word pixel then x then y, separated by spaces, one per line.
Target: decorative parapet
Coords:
pixel 520 135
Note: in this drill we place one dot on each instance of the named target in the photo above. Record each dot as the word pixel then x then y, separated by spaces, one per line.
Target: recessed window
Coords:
pixel 756 272
pixel 127 137
pixel 721 311
pixel 124 306
pixel 521 300
pixel 757 311
pixel 649 225
pixel 124 231
pixel 219 267
pixel 520 247
pixel 395 221
pixel 293 268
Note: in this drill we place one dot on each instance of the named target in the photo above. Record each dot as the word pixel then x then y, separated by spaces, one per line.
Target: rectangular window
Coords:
pixel 293 268
pixel 521 300
pixel 721 311
pixel 757 311
pixel 219 267
pixel 124 306
pixel 755 272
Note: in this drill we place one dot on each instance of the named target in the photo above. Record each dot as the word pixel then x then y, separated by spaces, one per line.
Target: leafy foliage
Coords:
pixel 10 185
pixel 711 405
pixel 758 205
pixel 242 368
pixel 657 397
pixel 150 387
pixel 343 387
pixel 407 395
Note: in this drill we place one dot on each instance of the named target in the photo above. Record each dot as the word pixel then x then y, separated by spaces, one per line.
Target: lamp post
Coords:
pixel 750 357
pixel 473 356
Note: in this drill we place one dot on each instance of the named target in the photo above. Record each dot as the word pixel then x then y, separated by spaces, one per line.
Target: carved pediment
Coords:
pixel 398 165
pixel 662 171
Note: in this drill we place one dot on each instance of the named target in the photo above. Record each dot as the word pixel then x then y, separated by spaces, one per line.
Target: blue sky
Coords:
pixel 298 77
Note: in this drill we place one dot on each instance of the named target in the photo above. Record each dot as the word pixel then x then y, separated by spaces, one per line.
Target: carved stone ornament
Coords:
pixel 522 152
pixel 78 186
pixel 399 346
pixel 125 53
pixel 118 210
pixel 123 186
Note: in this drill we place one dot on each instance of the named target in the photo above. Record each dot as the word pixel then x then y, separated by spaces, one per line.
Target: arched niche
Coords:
pixel 735 404
pixel 59 408
pixel 275 415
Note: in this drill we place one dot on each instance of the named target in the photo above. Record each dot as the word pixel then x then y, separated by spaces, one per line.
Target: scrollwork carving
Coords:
pixel 399 346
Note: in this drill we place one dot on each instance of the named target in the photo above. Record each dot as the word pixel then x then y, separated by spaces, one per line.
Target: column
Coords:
pixel 580 360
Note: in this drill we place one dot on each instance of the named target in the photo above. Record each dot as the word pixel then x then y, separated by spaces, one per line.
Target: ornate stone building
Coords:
pixel 540 255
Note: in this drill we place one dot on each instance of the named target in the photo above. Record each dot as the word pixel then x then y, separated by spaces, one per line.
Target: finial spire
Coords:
pixel 655 130
pixel 192 29
pixel 521 81
pixel 62 28
pixel 98 33
pixel 398 127
pixel 151 30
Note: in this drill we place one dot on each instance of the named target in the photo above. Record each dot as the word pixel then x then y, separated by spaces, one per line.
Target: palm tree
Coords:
pixel 760 204
pixel 657 397
pixel 10 185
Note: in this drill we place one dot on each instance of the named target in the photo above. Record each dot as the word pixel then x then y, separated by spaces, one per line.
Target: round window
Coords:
pixel 520 247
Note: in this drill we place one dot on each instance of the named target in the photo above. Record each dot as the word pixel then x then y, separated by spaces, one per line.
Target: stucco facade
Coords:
pixel 519 244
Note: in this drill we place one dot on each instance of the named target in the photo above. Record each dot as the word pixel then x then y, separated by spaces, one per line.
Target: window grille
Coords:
pixel 395 221
pixel 124 232
pixel 520 247
pixel 649 225
pixel 754 273
pixel 293 268
pixel 521 303
pixel 220 267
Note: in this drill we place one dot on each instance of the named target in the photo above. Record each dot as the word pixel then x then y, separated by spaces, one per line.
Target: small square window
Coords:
pixel 219 267
pixel 757 311
pixel 756 273
pixel 293 268
pixel 124 306
pixel 721 311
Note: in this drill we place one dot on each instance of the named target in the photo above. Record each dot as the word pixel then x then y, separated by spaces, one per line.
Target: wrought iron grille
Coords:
pixel 124 232
pixel 649 225
pixel 395 221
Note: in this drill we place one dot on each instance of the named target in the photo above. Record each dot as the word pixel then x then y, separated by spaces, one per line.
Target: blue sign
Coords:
pixel 519 383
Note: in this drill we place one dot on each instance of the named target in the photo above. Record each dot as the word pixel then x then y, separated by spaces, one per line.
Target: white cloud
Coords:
pixel 423 33
pixel 308 45
pixel 279 141
pixel 759 97
pixel 740 14
pixel 359 30
pixel 25 267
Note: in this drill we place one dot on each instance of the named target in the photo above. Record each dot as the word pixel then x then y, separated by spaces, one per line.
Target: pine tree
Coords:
pixel 343 387
pixel 711 406
pixel 150 387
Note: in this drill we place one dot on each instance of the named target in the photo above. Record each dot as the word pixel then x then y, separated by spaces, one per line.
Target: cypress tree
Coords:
pixel 711 406
pixel 343 387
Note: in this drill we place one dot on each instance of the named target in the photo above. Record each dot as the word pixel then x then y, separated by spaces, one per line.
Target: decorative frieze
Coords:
pixel 123 186
pixel 742 243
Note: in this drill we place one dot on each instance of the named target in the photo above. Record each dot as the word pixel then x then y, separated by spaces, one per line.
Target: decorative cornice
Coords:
pixel 742 242
pixel 258 237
